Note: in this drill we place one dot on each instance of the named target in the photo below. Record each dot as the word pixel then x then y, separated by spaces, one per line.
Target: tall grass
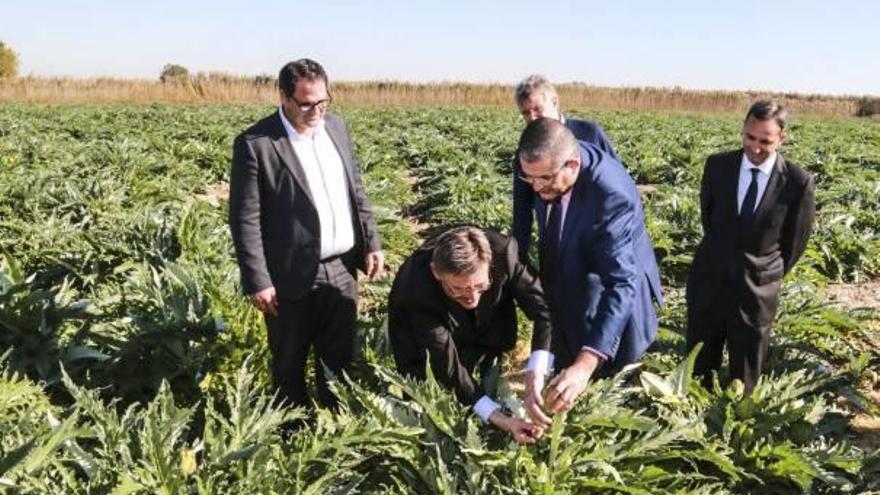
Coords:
pixel 221 88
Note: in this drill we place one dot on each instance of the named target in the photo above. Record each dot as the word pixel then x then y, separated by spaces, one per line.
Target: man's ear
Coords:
pixel 434 271
pixel 782 136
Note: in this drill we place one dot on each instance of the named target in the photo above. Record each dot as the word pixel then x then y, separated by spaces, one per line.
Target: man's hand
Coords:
pixel 534 401
pixel 375 263
pixel 569 384
pixel 521 430
pixel 266 301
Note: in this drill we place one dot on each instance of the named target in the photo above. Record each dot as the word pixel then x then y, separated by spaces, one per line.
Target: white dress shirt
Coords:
pixel 745 179
pixel 328 184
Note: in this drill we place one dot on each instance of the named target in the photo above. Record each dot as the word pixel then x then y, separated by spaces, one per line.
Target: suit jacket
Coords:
pixel 274 223
pixel 609 279
pixel 523 196
pixel 422 318
pixel 752 261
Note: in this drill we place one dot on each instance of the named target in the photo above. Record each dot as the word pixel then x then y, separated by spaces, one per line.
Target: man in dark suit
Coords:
pixel 536 98
pixel 598 268
pixel 454 299
pixel 757 213
pixel 301 224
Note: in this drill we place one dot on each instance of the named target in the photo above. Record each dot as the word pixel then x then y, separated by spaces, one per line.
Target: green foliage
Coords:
pixel 174 73
pixel 8 61
pixel 117 268
pixel 41 326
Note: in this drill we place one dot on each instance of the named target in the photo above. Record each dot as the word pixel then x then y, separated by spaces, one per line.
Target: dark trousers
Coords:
pixel 325 318
pixel 722 323
pixel 471 356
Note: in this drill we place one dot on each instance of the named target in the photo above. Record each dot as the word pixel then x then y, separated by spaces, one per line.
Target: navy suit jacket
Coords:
pixel 523 196
pixel 608 281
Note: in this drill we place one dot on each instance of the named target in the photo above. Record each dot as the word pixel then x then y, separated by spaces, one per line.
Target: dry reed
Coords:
pixel 241 90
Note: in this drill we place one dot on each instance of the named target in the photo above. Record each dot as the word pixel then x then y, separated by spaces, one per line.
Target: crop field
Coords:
pixel 131 364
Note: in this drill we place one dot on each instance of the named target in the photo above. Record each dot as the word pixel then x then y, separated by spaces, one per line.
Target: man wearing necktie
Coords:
pixel 598 268
pixel 536 98
pixel 757 213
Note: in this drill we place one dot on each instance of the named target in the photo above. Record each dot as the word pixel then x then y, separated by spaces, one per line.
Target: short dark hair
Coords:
pixel 304 69
pixel 768 109
pixel 461 250
pixel 546 138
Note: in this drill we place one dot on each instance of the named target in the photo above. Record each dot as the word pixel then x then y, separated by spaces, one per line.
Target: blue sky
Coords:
pixel 807 46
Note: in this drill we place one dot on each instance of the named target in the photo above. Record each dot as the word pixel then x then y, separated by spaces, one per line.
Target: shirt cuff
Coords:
pixel 602 357
pixel 540 361
pixel 485 407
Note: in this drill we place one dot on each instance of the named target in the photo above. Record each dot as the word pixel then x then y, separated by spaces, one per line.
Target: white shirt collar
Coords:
pixel 291 132
pixel 766 167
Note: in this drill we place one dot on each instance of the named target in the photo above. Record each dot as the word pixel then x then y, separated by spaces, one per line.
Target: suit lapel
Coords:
pixel 728 187
pixel 574 212
pixel 336 136
pixel 576 201
pixel 281 143
pixel 540 212
pixel 774 185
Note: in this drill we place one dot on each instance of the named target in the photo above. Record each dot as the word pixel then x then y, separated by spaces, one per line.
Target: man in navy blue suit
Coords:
pixel 536 98
pixel 598 268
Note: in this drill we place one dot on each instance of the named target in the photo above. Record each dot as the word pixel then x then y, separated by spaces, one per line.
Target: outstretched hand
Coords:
pixel 570 383
pixel 521 430
pixel 534 400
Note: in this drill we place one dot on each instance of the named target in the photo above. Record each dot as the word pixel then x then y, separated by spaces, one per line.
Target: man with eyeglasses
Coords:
pixel 597 265
pixel 454 299
pixel 536 98
pixel 757 213
pixel 302 225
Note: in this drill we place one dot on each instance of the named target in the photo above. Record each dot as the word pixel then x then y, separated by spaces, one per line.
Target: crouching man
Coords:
pixel 454 300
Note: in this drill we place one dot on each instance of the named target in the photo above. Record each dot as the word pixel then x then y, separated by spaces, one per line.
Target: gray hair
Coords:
pixel 546 138
pixel 768 109
pixel 461 250
pixel 534 83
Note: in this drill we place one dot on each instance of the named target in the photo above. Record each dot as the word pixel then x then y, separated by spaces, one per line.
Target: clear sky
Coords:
pixel 798 46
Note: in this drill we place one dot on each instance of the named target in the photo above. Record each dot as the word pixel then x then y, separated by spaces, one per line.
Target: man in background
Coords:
pixel 536 98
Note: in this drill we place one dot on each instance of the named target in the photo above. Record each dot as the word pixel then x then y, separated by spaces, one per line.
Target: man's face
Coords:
pixel 306 107
pixel 539 105
pixel 550 180
pixel 465 288
pixel 761 138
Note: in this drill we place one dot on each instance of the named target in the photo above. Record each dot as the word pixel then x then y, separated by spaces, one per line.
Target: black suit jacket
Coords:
pixel 752 261
pixel 421 318
pixel 274 223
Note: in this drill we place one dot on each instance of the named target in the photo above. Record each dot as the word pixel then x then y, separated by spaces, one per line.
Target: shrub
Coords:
pixel 174 73
pixel 8 61
pixel 867 107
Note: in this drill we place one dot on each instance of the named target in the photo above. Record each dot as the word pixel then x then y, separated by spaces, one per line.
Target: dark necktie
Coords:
pixel 550 243
pixel 747 211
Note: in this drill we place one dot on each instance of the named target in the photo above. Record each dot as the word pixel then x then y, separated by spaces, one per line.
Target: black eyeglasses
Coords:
pixel 306 107
pixel 479 288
